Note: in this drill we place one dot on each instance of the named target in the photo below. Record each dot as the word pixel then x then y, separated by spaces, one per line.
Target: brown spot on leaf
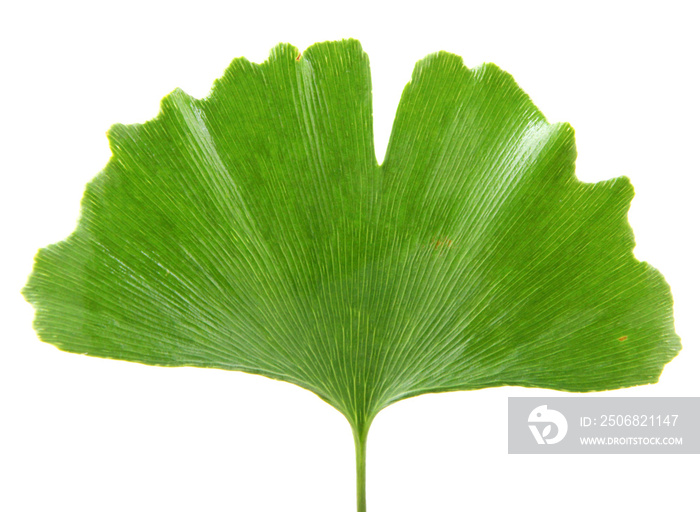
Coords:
pixel 622 338
pixel 299 57
pixel 442 241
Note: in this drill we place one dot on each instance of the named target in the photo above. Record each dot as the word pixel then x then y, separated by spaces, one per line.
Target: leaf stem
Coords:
pixel 360 458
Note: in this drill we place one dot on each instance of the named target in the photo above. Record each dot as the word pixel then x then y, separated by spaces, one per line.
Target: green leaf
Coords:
pixel 254 230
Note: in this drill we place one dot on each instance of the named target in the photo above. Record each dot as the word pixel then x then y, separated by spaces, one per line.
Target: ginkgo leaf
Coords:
pixel 254 230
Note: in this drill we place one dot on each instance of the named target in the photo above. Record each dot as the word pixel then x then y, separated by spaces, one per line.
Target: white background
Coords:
pixel 84 434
